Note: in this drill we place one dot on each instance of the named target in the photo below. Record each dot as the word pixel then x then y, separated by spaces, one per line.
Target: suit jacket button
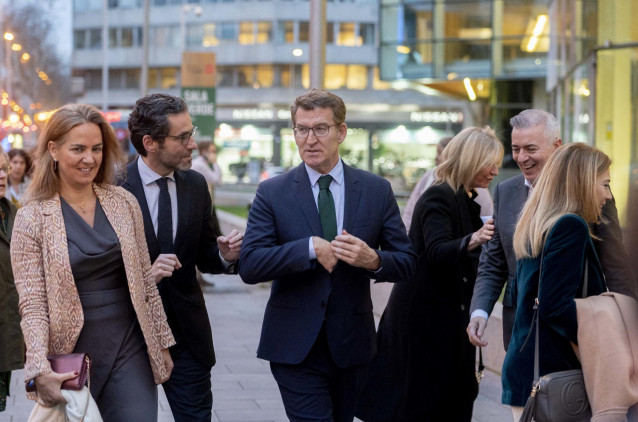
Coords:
pixel 464 279
pixel 462 307
pixel 323 304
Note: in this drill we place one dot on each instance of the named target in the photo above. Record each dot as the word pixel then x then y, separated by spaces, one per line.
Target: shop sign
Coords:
pixel 198 90
pixel 260 114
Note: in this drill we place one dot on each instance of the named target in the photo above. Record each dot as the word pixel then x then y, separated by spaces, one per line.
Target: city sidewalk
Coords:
pixel 243 388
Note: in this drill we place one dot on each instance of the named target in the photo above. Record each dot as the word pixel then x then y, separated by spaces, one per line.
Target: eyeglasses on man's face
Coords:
pixel 320 131
pixel 6 169
pixel 185 138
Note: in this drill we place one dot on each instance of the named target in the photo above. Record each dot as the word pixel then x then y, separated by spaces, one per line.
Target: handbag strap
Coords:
pixel 535 317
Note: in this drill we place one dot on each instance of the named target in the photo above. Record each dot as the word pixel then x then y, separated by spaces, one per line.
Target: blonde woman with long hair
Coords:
pixel 554 230
pixel 424 369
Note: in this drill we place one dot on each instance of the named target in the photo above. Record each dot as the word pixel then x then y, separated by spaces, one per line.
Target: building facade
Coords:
pixel 261 50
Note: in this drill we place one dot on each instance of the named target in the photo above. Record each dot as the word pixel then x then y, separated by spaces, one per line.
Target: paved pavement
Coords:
pixel 243 388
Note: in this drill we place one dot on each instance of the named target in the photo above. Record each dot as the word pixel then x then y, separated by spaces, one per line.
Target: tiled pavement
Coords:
pixel 243 388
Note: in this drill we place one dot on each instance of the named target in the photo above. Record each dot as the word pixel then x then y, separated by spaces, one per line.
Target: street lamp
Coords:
pixel 186 8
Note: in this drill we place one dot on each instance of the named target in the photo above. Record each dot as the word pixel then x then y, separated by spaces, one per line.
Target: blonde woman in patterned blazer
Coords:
pixel 83 273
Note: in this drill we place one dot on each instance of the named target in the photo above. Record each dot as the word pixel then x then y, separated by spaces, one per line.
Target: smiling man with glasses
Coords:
pixel 179 238
pixel 321 231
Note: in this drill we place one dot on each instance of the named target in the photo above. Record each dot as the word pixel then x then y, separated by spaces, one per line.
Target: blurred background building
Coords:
pixel 261 51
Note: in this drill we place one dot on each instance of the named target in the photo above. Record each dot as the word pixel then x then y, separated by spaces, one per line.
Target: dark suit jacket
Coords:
pixel 195 245
pixel 497 264
pixel 304 296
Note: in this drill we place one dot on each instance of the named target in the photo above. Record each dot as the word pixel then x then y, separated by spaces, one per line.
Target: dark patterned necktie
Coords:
pixel 164 217
pixel 327 213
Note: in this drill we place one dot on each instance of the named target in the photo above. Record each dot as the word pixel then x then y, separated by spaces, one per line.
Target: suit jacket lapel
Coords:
pixel 183 202
pixel 134 185
pixel 306 200
pixel 352 194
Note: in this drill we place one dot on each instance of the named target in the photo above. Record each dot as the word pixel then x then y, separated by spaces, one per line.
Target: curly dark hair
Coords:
pixel 14 152
pixel 150 117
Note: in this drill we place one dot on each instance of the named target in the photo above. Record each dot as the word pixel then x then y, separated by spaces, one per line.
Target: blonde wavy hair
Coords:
pixel 470 151
pixel 566 185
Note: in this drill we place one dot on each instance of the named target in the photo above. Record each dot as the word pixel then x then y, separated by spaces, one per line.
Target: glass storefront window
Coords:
pixel 245 150
pixel 366 33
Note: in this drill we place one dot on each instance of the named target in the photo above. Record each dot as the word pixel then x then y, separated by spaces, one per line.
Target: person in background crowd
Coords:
pixel 178 224
pixel 18 181
pixel 83 272
pixel 321 231
pixel 535 137
pixel 11 340
pixel 553 243
pixel 484 199
pixel 206 165
pixel 425 366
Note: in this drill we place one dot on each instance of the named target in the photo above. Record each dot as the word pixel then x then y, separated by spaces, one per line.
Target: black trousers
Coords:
pixel 317 390
pixel 189 389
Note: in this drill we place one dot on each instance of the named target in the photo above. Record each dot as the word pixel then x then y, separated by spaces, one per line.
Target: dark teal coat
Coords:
pixel 11 341
pixel 566 247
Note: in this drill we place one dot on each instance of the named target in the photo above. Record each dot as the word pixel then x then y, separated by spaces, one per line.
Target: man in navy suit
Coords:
pixel 321 243
pixel 180 236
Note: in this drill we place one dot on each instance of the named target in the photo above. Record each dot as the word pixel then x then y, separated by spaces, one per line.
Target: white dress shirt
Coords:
pixel 152 191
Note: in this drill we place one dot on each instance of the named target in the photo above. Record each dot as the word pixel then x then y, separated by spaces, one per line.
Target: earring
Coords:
pixel 55 165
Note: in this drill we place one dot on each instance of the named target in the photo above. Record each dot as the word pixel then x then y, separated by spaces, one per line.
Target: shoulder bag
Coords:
pixel 558 396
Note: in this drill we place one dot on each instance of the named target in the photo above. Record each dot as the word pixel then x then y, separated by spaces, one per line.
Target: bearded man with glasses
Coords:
pixel 322 231
pixel 176 207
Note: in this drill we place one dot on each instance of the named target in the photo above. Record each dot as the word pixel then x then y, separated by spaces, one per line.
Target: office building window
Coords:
pixel 245 75
pixel 347 35
pixel 264 32
pixel 304 30
pixel 127 37
pixel 209 37
pixel 112 37
pixel 357 77
pixel 163 77
pixel 377 83
pixel 330 33
pixel 246 33
pixel 224 76
pixel 124 78
pixel 335 77
pixel 285 32
pixel 366 33
pixel 165 36
pixel 92 79
pixel 79 39
pixel 95 38
pixel 227 32
pixel 84 5
pixel 265 76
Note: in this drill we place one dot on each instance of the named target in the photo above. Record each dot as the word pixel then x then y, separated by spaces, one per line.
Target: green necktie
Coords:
pixel 327 213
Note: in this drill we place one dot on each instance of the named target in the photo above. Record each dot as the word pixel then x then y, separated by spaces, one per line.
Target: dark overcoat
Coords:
pixel 424 369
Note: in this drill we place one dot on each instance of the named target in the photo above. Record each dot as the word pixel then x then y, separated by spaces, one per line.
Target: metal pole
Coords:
pixel 145 44
pixel 317 43
pixel 105 58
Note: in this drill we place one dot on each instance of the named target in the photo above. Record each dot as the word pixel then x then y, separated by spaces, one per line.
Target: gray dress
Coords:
pixel 121 377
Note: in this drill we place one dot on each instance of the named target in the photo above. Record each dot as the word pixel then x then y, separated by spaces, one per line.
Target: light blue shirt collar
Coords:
pixel 149 176
pixel 336 173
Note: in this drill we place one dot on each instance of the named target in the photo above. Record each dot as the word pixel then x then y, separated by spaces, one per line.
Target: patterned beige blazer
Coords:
pixel 52 316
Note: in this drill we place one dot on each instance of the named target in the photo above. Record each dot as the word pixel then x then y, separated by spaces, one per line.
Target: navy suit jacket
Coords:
pixel 304 296
pixel 195 245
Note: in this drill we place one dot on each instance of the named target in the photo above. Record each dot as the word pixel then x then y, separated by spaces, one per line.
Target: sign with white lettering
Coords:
pixel 201 106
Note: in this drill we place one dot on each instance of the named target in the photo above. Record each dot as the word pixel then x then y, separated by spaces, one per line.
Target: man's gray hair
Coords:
pixel 534 117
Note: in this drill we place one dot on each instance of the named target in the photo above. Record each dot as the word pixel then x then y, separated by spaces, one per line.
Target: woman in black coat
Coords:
pixel 425 366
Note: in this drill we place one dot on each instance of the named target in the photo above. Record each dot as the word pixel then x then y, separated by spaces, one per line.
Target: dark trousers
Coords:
pixel 317 389
pixel 189 389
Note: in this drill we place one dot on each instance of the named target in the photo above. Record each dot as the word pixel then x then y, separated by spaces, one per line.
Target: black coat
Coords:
pixel 424 369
